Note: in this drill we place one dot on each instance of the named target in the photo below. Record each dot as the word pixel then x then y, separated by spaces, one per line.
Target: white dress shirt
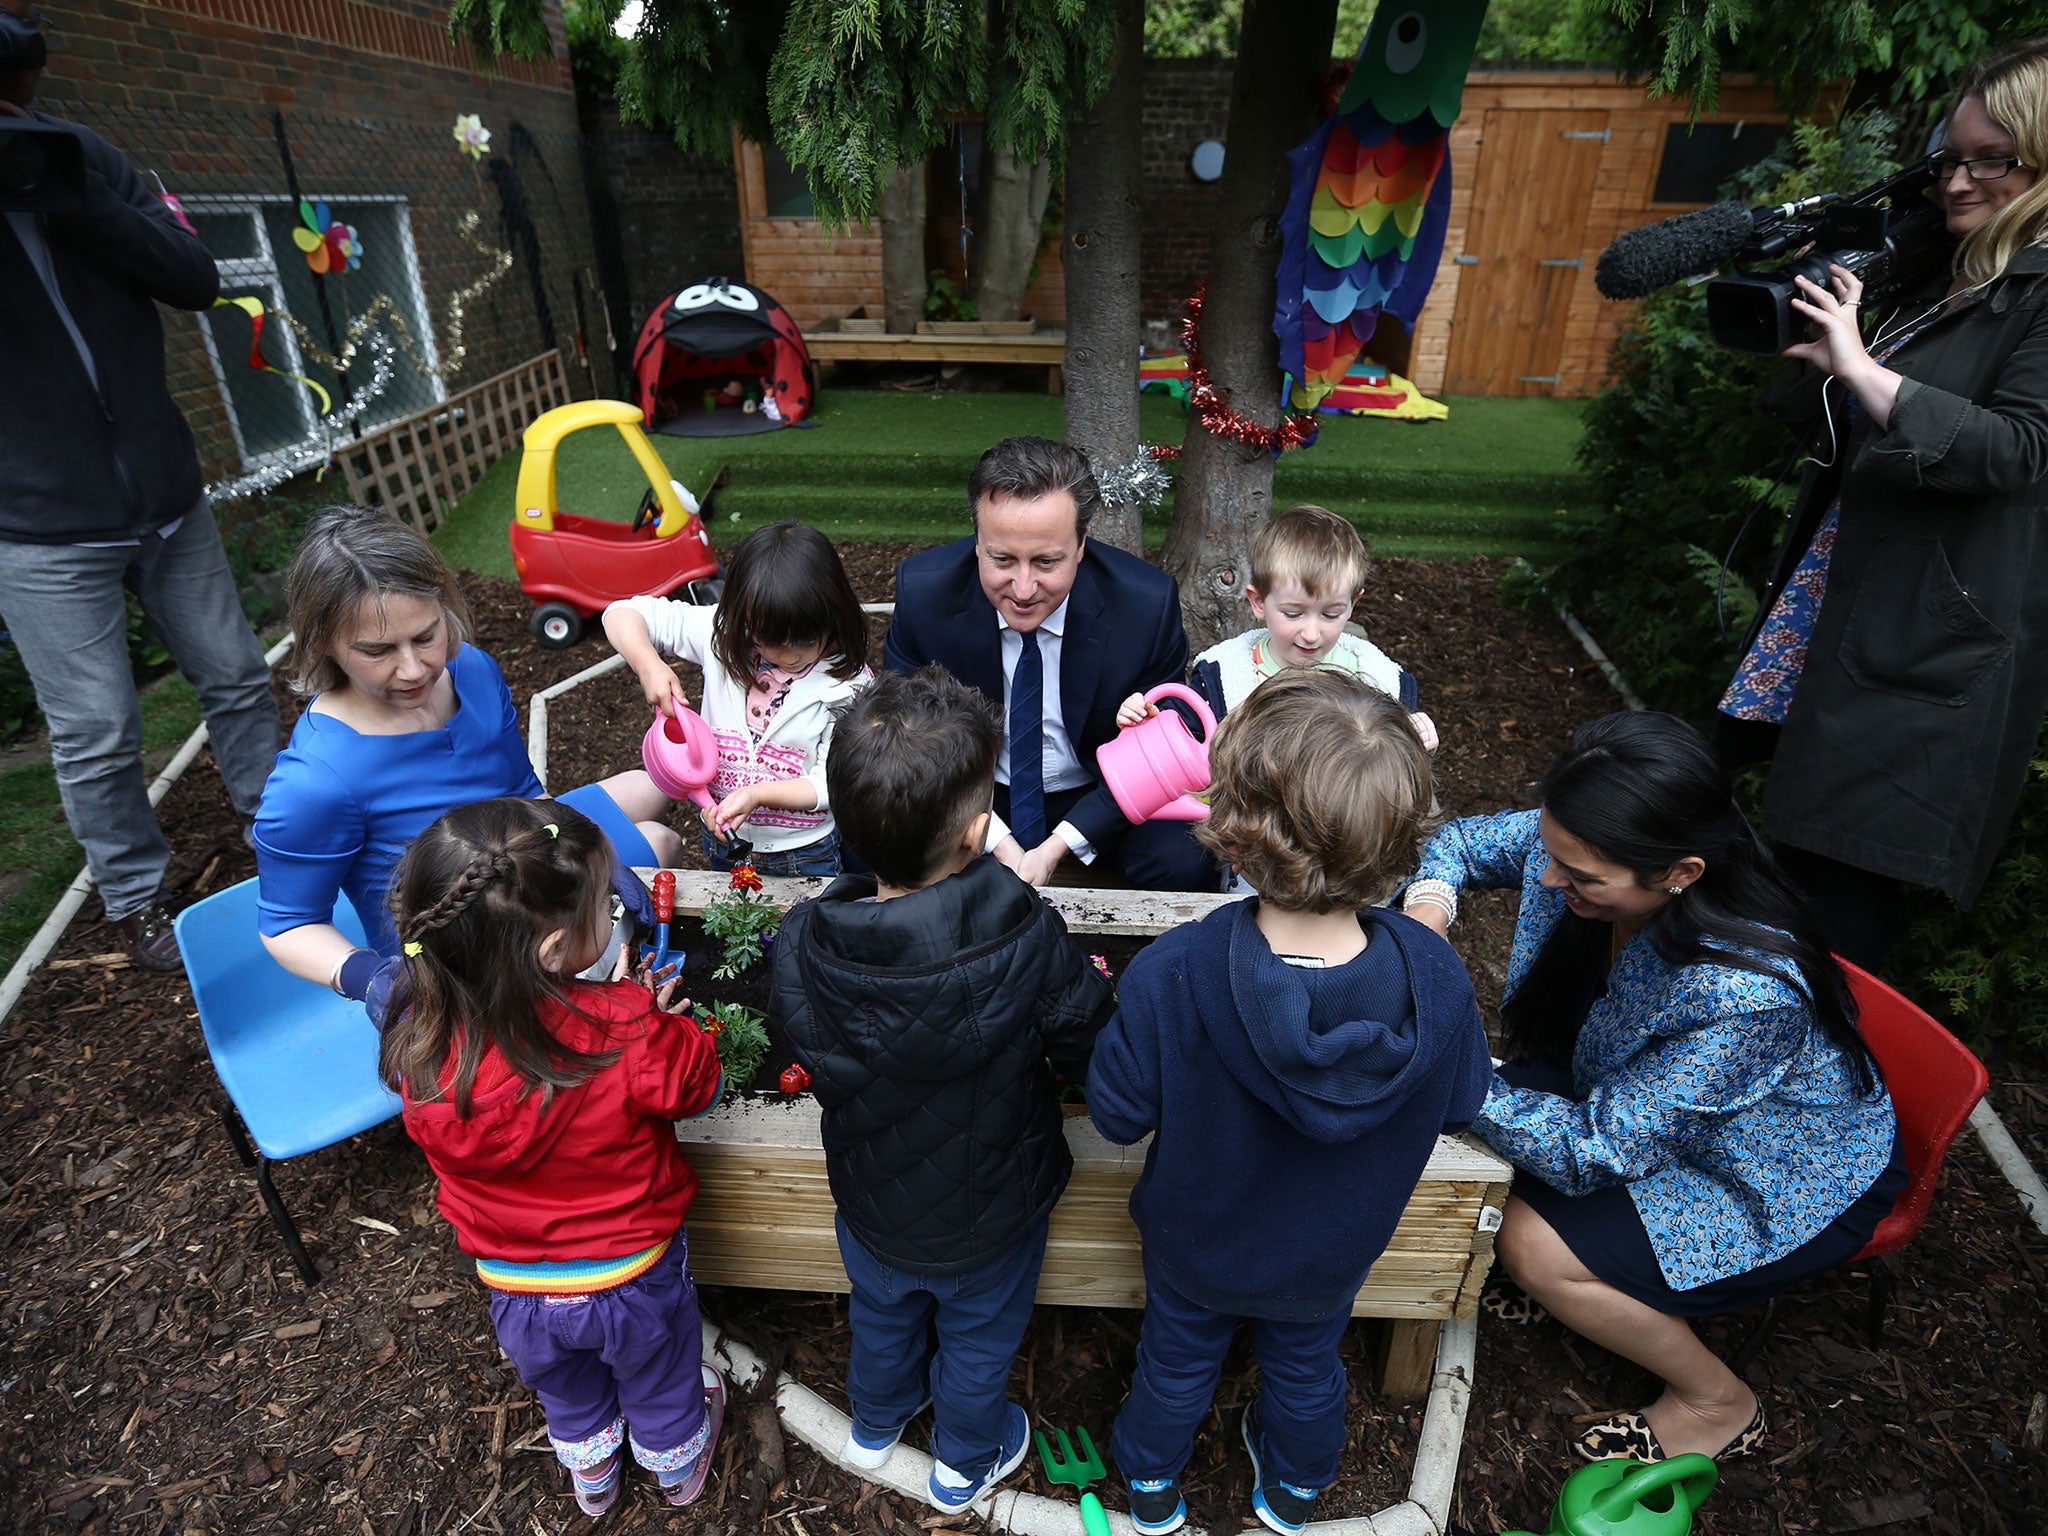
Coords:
pixel 1062 764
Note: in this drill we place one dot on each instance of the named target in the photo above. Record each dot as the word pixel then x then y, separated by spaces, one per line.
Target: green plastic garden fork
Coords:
pixel 1079 1471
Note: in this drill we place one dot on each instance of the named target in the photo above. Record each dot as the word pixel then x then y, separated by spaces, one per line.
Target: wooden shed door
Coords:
pixel 1524 246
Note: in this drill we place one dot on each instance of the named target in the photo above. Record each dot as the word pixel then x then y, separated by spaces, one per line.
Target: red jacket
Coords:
pixel 595 1175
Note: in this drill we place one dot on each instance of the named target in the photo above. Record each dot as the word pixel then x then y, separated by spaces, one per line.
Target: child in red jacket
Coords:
pixel 544 1103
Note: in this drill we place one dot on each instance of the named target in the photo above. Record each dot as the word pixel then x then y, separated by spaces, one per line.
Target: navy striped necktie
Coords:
pixel 1027 743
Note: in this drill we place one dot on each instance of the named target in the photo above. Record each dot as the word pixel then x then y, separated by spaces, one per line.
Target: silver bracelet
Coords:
pixel 334 976
pixel 1439 893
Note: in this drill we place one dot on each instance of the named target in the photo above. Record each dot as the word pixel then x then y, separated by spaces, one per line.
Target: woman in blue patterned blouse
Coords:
pixel 1694 1120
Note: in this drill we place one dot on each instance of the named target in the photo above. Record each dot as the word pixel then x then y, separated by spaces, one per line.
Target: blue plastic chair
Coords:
pixel 299 1063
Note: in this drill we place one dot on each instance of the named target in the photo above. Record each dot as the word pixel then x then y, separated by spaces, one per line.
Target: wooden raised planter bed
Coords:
pixel 763 1217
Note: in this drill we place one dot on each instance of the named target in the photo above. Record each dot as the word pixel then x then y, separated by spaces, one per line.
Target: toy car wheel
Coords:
pixel 556 625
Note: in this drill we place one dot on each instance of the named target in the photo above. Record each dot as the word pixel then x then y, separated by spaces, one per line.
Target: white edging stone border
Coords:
pixel 45 940
pixel 1425 1512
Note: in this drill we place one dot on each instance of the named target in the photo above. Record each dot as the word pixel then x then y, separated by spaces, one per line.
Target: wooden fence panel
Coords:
pixel 420 466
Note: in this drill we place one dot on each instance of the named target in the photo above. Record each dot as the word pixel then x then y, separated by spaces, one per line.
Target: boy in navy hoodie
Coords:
pixel 1294 1057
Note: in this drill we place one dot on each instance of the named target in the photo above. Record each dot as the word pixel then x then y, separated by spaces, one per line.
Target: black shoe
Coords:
pixel 152 944
pixel 1156 1506
pixel 1280 1506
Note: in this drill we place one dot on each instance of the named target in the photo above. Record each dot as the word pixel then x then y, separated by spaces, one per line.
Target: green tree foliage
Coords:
pixel 849 89
pixel 1515 31
pixel 1897 51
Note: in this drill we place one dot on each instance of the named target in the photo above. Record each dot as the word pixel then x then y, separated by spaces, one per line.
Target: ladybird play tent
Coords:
pixel 720 358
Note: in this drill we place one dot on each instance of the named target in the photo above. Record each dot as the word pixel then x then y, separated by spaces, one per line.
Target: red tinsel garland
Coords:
pixel 1218 419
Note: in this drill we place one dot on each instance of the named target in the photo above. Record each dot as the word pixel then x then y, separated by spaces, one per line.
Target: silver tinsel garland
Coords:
pixel 1142 482
pixel 316 448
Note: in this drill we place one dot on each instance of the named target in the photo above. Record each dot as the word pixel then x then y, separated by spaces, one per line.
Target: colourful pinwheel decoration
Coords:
pixel 1371 193
pixel 471 136
pixel 329 244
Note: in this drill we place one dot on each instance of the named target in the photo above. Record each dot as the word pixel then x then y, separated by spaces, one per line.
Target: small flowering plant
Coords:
pixel 741 1036
pixel 743 921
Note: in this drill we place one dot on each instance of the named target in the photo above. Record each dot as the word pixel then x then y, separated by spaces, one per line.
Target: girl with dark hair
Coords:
pixel 1693 1117
pixel 781 653
pixel 543 1104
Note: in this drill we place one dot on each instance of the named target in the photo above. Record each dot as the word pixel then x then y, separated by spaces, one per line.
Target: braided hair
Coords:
pixel 473 899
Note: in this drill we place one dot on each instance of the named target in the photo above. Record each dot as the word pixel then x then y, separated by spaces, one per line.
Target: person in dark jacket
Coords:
pixel 1055 629
pixel 925 1000
pixel 1294 1058
pixel 1904 652
pixel 100 493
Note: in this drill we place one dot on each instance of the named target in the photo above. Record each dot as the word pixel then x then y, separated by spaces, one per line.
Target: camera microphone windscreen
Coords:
pixel 1640 261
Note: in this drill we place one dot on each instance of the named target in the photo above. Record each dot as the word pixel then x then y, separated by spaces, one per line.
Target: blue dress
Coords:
pixel 1708 1093
pixel 340 807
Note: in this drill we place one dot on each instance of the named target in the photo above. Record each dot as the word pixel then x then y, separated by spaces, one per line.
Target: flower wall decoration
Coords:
pixel 471 136
pixel 329 244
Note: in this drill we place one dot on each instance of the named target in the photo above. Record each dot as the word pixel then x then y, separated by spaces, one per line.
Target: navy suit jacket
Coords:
pixel 1123 636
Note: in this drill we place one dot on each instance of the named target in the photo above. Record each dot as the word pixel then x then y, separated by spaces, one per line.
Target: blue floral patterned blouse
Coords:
pixel 1709 1091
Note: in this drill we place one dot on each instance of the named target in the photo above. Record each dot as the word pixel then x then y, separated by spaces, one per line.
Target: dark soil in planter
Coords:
pixel 165 1370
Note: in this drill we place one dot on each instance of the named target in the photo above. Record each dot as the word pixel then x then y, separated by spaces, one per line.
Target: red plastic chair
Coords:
pixel 1935 1082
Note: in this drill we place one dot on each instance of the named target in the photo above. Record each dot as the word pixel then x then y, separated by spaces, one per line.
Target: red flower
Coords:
pixel 712 1025
pixel 745 878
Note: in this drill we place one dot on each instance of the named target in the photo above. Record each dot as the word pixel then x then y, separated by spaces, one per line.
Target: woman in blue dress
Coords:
pixel 1693 1118
pixel 405 721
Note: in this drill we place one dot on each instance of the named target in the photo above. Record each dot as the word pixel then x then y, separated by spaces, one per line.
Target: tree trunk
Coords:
pixel 1013 198
pixel 1225 490
pixel 903 273
pixel 1101 265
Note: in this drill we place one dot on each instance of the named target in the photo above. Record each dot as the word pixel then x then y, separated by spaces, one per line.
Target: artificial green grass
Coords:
pixel 41 856
pixel 884 466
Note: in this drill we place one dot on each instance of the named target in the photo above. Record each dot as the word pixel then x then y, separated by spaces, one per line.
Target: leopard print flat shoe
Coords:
pixel 1629 1434
pixel 1504 1299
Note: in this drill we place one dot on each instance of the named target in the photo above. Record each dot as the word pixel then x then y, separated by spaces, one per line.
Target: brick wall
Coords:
pixel 1186 101
pixel 368 93
pixel 677 216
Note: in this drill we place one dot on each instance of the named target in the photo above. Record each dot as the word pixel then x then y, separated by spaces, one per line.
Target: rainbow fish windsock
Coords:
pixel 1370 193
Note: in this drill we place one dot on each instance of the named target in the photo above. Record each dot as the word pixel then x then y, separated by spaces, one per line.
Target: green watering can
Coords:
pixel 1625 1497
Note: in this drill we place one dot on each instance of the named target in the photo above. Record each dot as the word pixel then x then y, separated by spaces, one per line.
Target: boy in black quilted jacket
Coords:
pixel 925 1000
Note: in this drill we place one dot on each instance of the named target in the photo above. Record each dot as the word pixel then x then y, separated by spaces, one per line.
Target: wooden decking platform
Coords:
pixel 1046 349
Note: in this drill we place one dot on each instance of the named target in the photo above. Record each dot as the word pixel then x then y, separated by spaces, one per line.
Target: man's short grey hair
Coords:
pixel 1026 468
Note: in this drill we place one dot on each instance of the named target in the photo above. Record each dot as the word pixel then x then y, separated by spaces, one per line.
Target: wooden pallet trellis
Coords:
pixel 421 465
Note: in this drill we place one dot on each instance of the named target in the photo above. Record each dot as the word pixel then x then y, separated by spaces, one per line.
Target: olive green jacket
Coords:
pixel 1926 680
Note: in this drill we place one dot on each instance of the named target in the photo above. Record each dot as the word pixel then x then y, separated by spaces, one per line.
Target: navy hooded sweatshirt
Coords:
pixel 1292 1110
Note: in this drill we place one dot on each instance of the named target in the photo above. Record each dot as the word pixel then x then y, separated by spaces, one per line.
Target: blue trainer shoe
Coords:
pixel 953 1491
pixel 1280 1506
pixel 868 1448
pixel 1156 1506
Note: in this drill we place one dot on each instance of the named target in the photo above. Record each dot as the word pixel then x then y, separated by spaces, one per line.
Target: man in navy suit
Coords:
pixel 1056 631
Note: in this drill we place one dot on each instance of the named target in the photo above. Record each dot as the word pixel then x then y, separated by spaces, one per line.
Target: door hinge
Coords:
pixel 1562 261
pixel 1466 261
pixel 1591 133
pixel 1540 378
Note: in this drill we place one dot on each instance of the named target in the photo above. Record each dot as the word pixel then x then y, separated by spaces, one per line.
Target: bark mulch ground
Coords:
pixel 166 1372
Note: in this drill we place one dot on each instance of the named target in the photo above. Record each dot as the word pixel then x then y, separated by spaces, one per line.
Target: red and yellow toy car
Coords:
pixel 573 566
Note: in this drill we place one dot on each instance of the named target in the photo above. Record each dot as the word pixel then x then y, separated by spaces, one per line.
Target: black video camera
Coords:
pixel 1888 235
pixel 42 167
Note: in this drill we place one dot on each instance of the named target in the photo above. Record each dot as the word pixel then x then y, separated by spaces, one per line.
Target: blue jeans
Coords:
pixel 1180 1357
pixel 819 858
pixel 64 608
pixel 979 1318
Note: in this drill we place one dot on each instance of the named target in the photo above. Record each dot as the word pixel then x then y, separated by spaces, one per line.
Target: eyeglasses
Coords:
pixel 1988 168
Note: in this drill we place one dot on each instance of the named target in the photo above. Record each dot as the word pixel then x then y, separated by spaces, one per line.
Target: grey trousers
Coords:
pixel 63 607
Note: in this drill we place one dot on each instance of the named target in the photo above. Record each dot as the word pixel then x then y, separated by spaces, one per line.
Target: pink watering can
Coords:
pixel 1156 767
pixel 681 756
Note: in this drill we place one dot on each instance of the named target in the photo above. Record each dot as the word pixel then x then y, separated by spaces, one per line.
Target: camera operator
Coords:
pixel 100 491
pixel 1904 651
